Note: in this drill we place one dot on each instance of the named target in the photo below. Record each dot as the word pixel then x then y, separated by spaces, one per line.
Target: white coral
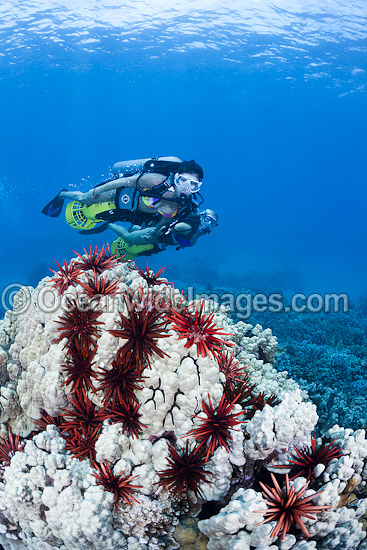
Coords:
pixel 51 501
pixel 277 427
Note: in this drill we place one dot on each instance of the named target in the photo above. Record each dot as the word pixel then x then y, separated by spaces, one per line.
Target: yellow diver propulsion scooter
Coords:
pixel 129 251
pixel 82 217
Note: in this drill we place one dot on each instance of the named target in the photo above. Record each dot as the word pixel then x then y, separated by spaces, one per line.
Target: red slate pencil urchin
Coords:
pixel 100 286
pixel 185 472
pixel 78 323
pixel 128 415
pixel 239 391
pixel 98 259
pixel 47 420
pixel 109 261
pixel 199 330
pixel 142 328
pixel 9 445
pixel 304 460
pixel 231 368
pixel 121 381
pixel 83 414
pixel 115 483
pixel 82 444
pixel 287 506
pixel 151 277
pixel 216 427
pixel 65 277
pixel 258 402
pixel 78 367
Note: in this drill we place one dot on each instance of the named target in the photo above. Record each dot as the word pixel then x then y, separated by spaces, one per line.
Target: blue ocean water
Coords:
pixel 269 97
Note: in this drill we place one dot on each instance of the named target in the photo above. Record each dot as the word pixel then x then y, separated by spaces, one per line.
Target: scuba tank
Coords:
pixel 126 168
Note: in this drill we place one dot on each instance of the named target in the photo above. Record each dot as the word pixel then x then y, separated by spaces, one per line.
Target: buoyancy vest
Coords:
pixel 127 199
pixel 172 237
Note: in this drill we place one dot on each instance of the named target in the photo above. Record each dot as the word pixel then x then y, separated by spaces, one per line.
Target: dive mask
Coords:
pixel 209 220
pixel 186 185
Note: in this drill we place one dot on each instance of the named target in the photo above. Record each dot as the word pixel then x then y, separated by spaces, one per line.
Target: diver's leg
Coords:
pixel 139 236
pixel 89 197
pixel 106 196
pixel 73 195
pixel 119 230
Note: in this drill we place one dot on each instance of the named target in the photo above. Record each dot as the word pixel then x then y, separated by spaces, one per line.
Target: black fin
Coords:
pixel 97 229
pixel 54 207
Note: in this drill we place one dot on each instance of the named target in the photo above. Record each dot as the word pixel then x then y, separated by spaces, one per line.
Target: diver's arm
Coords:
pixel 98 194
pixel 139 236
pixel 93 194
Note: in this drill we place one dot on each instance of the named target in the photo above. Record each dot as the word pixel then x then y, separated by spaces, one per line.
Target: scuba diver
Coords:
pixel 143 189
pixel 153 239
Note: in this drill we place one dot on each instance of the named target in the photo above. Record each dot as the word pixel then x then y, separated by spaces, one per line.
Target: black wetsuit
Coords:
pixel 172 237
pixel 127 198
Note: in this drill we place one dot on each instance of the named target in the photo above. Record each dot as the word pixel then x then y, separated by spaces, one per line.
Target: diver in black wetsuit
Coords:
pixel 161 187
pixel 153 239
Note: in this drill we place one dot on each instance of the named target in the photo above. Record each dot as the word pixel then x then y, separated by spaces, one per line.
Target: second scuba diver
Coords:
pixel 151 240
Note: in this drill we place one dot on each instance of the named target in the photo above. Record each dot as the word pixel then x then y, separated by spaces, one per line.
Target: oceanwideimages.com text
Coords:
pixel 245 304
pixel 18 299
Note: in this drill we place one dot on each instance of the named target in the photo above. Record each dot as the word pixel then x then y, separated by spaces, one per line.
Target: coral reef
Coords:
pixel 326 354
pixel 127 411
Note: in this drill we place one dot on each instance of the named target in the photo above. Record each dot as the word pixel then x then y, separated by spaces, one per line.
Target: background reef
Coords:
pixel 324 352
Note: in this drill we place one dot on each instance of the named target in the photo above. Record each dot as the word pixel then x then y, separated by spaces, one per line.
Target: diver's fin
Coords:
pixel 54 207
pixel 97 229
